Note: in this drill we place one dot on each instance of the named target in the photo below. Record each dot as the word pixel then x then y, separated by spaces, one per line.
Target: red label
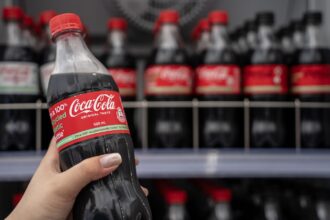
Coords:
pixel 87 116
pixel 310 79
pixel 125 79
pixel 218 79
pixel 265 79
pixel 168 80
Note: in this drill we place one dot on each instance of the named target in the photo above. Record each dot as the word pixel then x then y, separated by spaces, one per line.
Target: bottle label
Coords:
pixel 265 79
pixel 45 72
pixel 87 116
pixel 168 80
pixel 218 79
pixel 310 79
pixel 125 79
pixel 19 78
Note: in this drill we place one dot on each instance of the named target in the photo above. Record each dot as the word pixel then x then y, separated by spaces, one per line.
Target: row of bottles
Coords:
pixel 239 200
pixel 251 62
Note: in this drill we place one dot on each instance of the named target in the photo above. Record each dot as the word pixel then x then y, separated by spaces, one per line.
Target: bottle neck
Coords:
pixel 298 39
pixel 176 212
pixel 73 56
pixel 252 39
pixel 271 211
pixel 219 36
pixel 266 37
pixel 314 37
pixel 203 41
pixel 116 40
pixel 169 37
pixel 222 211
pixel 13 34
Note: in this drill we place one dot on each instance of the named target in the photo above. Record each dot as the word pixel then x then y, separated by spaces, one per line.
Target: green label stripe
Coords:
pixel 19 89
pixel 92 131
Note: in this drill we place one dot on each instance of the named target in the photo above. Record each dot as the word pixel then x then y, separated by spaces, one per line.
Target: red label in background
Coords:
pixel 218 79
pixel 125 79
pixel 87 116
pixel 168 80
pixel 265 79
pixel 310 79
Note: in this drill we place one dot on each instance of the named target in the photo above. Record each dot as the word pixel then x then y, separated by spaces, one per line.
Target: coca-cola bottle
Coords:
pixel 176 200
pixel 18 84
pixel 168 77
pixel 221 204
pixel 218 78
pixel 47 62
pixel 121 66
pixel 311 82
pixel 88 119
pixel 265 79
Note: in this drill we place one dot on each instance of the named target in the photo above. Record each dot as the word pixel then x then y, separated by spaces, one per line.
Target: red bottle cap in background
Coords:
pixel 175 196
pixel 28 22
pixel 221 194
pixel 218 17
pixel 203 25
pixel 117 24
pixel 169 16
pixel 65 22
pixel 12 13
pixel 46 16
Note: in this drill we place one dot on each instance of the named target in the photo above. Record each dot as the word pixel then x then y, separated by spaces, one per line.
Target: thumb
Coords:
pixel 94 168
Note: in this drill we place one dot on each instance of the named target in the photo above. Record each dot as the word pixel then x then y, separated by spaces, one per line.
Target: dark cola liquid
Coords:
pixel 120 192
pixel 17 127
pixel 47 56
pixel 315 122
pixel 270 127
pixel 169 127
pixel 115 60
pixel 220 127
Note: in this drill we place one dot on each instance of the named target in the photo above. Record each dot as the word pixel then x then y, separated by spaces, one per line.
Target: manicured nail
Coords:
pixel 110 160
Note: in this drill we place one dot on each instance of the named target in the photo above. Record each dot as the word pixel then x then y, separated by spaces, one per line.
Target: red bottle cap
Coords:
pixel 203 25
pixel 117 24
pixel 46 16
pixel 218 17
pixel 12 13
pixel 221 194
pixel 65 22
pixel 28 21
pixel 169 16
pixel 175 196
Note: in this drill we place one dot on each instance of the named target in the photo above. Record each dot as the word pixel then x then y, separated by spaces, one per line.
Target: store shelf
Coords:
pixel 189 163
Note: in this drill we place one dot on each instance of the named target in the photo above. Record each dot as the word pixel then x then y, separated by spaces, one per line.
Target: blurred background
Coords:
pixel 249 154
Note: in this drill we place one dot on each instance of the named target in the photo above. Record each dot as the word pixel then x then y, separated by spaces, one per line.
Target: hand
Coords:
pixel 52 193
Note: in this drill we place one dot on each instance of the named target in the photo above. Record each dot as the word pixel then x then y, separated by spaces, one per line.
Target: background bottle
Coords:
pixel 121 66
pixel 47 63
pixel 88 120
pixel 266 79
pixel 218 78
pixel 169 77
pixel 18 84
pixel 311 82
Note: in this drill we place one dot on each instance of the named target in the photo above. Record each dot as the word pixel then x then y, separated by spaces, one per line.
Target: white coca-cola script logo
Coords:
pixel 101 103
pixel 16 74
pixel 127 77
pixel 214 74
pixel 177 74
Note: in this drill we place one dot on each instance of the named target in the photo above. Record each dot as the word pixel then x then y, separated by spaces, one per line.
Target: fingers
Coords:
pixel 94 168
pixel 145 190
pixel 52 158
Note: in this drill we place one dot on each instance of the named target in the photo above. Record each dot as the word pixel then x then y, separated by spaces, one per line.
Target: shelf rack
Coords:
pixel 194 162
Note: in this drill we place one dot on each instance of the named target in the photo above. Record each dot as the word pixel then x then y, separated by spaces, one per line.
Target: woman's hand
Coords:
pixel 52 193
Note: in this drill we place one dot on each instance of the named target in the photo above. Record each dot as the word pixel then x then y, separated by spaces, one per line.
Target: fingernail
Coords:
pixel 110 160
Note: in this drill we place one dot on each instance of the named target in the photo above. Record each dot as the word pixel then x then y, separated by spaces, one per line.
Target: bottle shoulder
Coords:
pixel 312 56
pixel 216 56
pixel 168 56
pixel 262 56
pixel 116 60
